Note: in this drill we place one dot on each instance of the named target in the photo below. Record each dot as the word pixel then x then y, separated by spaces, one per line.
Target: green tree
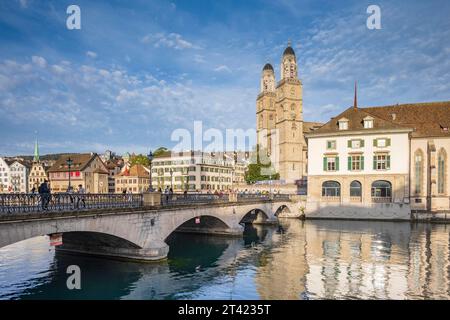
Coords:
pixel 139 159
pixel 260 161
pixel 160 151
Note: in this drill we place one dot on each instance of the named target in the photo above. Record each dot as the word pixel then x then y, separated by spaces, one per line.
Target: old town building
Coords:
pixel 279 119
pixel 381 159
pixel 133 180
pixel 86 169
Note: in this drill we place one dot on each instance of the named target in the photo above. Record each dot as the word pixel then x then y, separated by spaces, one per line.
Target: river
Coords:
pixel 320 259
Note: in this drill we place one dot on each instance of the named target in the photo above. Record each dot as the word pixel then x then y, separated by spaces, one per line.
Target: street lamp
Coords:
pixel 171 180
pixel 150 159
pixel 69 162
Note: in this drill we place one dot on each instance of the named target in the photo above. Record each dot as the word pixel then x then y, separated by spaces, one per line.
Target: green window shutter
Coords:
pixel 337 163
pixel 328 144
pixel 375 142
pixel 388 162
pixel 349 143
pixel 374 162
pixel 362 162
pixel 349 163
pixel 388 142
pixel 362 143
pixel 325 164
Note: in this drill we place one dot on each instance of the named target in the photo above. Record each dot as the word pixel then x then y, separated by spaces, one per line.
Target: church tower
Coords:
pixel 289 120
pixel 265 109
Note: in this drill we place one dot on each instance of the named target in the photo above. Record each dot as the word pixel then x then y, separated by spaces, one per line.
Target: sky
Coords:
pixel 137 70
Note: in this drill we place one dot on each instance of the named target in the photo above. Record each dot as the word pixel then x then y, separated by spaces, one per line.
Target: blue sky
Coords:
pixel 137 70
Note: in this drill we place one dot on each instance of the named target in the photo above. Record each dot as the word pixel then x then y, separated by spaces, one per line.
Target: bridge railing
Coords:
pixel 24 203
pixel 252 197
pixel 192 198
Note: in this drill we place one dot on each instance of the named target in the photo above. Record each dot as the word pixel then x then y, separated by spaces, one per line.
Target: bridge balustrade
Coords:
pixel 192 198
pixel 58 202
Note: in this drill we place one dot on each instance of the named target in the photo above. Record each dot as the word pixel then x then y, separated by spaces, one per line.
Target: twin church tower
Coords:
pixel 279 119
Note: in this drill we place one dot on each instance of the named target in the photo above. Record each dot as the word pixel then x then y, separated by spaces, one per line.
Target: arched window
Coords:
pixel 331 189
pixel 355 189
pixel 442 159
pixel 382 189
pixel 418 171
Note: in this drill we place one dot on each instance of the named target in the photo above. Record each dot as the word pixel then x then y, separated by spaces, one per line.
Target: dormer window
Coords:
pixel 368 123
pixel 343 124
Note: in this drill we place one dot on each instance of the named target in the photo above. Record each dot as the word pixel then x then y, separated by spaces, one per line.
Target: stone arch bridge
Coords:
pixel 139 233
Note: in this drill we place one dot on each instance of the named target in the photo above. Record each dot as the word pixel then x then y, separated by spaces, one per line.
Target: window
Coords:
pixel 368 123
pixel 381 161
pixel 331 189
pixel 381 143
pixel 331 144
pixel 355 162
pixel 441 171
pixel 330 163
pixel 381 189
pixel 355 189
pixel 343 125
pixel 418 171
pixel 355 144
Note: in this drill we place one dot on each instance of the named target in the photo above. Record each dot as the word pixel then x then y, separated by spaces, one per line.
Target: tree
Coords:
pixel 139 159
pixel 160 151
pixel 255 170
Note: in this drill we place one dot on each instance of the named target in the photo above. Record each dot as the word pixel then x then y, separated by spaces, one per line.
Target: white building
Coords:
pixel 5 185
pixel 192 171
pixel 19 177
pixel 358 167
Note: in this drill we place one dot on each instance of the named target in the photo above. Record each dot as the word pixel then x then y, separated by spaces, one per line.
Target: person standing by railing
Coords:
pixel 44 192
pixel 80 197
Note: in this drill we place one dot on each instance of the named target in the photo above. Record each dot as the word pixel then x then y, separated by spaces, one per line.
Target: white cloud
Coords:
pixel 223 68
pixel 171 40
pixel 40 61
pixel 91 54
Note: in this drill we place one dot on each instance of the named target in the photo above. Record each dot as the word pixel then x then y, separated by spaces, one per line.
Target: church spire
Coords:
pixel 36 151
pixel 355 100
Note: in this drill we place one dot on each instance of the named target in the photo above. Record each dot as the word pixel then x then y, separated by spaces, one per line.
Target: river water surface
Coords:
pixel 295 260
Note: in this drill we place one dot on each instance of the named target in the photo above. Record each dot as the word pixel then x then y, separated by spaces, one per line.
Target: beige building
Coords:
pixel 86 169
pixel 133 180
pixel 279 119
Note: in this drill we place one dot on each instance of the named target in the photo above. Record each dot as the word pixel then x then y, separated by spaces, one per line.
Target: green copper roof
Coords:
pixel 36 152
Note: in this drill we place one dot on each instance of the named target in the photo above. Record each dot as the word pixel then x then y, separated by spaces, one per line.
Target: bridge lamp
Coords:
pixel 69 162
pixel 171 178
pixel 150 159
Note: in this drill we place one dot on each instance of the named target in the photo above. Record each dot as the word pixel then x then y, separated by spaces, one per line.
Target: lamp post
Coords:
pixel 150 159
pixel 171 180
pixel 69 162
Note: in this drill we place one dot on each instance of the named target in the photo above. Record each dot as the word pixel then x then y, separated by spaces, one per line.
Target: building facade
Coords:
pixel 192 171
pixel 279 119
pixel 391 157
pixel 19 176
pixel 358 160
pixel 133 180
pixel 5 185
pixel 87 170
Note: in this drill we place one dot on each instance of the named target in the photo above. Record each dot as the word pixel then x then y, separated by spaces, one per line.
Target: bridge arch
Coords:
pixel 205 223
pixel 254 216
pixel 283 209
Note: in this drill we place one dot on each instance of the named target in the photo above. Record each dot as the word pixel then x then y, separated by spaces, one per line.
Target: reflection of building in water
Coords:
pixel 281 274
pixel 346 260
pixel 429 262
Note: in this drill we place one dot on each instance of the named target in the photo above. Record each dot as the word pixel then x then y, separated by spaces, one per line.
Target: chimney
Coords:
pixel 394 116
